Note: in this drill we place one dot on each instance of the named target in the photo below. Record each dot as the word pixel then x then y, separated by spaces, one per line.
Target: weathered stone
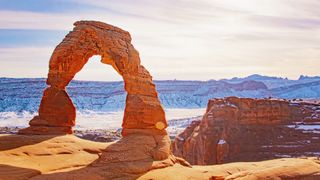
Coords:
pixel 245 129
pixel 57 112
pixel 68 157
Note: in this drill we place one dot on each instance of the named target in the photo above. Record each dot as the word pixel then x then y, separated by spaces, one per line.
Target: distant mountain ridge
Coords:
pixel 24 94
pixel 274 82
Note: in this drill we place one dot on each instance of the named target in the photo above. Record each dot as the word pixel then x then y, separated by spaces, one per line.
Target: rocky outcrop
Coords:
pixel 143 114
pixel 244 129
pixel 57 113
pixel 68 157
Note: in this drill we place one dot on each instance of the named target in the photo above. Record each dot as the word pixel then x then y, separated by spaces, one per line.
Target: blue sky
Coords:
pixel 177 39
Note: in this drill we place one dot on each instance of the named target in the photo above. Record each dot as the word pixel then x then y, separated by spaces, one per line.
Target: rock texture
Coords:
pixel 68 157
pixel 243 129
pixel 23 157
pixel 57 113
pixel 286 168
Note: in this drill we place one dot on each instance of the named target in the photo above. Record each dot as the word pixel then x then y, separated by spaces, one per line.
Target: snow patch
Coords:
pixel 222 141
pixel 282 156
pixel 16 119
pixel 305 127
pixel 88 119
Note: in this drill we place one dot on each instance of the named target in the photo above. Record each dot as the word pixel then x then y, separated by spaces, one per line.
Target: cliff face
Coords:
pixel 244 129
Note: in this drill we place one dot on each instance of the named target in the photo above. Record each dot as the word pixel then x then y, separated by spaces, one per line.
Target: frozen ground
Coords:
pixel 24 94
pixel 100 104
pixel 95 120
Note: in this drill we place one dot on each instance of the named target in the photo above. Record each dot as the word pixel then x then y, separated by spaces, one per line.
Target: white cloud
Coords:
pixel 34 20
pixel 200 39
pixel 25 62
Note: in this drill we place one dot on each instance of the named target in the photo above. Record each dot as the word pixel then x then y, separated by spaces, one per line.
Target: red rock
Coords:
pixel 68 157
pixel 57 112
pixel 251 129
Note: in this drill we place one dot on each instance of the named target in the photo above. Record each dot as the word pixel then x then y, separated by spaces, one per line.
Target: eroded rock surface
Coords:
pixel 68 157
pixel 245 129
pixel 57 113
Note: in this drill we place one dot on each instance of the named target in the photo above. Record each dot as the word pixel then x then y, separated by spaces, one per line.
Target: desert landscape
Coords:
pixel 232 129
pixel 207 97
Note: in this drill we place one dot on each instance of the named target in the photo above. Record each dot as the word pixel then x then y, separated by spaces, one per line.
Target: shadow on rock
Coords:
pixel 128 158
pixel 8 142
pixel 16 173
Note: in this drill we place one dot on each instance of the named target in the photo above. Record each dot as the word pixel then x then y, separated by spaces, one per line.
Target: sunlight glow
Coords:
pixel 194 39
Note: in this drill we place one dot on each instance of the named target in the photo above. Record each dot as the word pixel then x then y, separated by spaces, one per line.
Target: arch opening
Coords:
pixel 97 91
pixel 57 113
pixel 95 70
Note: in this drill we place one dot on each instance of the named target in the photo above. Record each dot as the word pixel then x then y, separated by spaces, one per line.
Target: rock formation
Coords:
pixel 245 129
pixel 68 157
pixel 57 113
pixel 143 111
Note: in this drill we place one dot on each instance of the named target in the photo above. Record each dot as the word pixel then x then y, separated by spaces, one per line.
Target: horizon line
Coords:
pixel 175 79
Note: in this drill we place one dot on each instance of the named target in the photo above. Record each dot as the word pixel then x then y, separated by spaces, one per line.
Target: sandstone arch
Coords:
pixel 57 113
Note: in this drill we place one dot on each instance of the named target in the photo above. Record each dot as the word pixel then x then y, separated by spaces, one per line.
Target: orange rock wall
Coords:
pixel 244 129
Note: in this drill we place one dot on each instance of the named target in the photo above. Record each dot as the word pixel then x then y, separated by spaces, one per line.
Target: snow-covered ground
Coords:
pixel 101 104
pixel 24 94
pixel 305 127
pixel 92 119
pixel 314 128
pixel 15 119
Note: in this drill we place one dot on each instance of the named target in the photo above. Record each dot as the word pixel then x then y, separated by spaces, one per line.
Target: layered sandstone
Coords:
pixel 57 113
pixel 68 157
pixel 244 129
pixel 143 114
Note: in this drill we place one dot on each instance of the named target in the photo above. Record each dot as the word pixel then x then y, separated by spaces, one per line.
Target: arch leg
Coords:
pixel 56 114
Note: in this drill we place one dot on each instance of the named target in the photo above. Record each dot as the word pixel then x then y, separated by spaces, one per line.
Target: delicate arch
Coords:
pixel 57 113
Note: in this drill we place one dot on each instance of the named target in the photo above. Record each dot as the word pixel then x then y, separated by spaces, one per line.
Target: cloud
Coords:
pixel 186 39
pixel 18 54
pixel 25 61
pixel 299 23
pixel 34 20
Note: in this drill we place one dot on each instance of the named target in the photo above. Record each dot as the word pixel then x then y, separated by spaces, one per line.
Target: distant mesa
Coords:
pixel 248 86
pixel 303 77
pixel 24 94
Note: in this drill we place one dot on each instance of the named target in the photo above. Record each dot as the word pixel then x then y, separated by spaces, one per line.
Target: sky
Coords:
pixel 176 39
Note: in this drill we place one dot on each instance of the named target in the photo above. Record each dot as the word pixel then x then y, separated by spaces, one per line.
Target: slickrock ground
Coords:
pixel 69 157
pixel 286 168
pixel 98 135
